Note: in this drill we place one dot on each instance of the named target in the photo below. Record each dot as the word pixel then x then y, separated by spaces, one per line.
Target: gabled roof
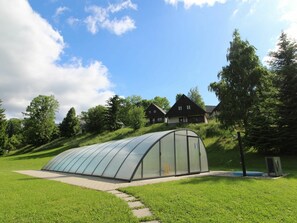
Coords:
pixel 184 101
pixel 153 105
pixel 209 108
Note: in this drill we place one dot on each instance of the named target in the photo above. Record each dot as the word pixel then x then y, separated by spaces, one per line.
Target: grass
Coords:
pixel 208 199
pixel 221 199
pixel 27 199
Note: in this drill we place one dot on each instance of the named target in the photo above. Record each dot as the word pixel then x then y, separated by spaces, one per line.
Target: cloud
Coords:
pixel 189 3
pixel 29 54
pixel 59 11
pixel 72 21
pixel 99 18
pixel 288 9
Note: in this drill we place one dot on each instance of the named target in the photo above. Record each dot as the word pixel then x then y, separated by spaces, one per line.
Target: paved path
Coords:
pixel 102 184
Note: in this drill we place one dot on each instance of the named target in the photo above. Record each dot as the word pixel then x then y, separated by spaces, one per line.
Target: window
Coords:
pixel 180 108
pixel 188 107
pixel 150 112
pixel 154 111
pixel 160 119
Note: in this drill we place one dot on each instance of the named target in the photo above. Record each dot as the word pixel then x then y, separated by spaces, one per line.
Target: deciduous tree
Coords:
pixel 195 96
pixel 39 122
pixel 137 117
pixel 3 135
pixel 238 82
pixel 94 119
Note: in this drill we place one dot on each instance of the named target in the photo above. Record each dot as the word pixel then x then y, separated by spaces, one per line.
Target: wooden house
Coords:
pixel 155 114
pixel 186 111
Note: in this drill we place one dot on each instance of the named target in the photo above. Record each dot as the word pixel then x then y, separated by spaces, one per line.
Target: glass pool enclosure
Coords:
pixel 153 155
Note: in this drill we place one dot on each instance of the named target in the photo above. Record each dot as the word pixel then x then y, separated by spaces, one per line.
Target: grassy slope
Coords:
pixel 26 199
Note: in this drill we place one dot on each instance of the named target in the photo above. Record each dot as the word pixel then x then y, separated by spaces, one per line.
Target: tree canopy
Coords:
pixel 195 96
pixel 39 122
pixel 70 125
pixel 284 63
pixel 3 136
pixel 239 80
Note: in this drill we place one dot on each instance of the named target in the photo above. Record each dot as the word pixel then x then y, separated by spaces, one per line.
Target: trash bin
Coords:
pixel 274 167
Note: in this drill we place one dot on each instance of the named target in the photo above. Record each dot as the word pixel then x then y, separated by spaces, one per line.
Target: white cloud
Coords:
pixel 72 21
pixel 59 11
pixel 99 18
pixel 29 51
pixel 288 9
pixel 189 3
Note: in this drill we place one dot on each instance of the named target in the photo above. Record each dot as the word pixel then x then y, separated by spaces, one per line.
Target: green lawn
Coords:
pixel 222 199
pixel 208 199
pixel 28 199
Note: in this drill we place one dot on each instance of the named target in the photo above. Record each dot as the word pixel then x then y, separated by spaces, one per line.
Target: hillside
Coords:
pixel 221 145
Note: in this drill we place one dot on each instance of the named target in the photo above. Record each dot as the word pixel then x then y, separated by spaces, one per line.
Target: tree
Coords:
pixel 39 122
pixel 162 102
pixel 178 96
pixel 3 135
pixel 70 125
pixel 14 130
pixel 239 80
pixel 195 96
pixel 284 64
pixel 125 105
pixel 112 115
pixel 137 117
pixel 262 129
pixel 94 119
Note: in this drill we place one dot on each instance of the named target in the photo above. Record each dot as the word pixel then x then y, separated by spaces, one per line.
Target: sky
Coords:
pixel 85 51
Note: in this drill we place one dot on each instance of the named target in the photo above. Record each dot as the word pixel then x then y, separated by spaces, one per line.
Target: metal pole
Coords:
pixel 241 154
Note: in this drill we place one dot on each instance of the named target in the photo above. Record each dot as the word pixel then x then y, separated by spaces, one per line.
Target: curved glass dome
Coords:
pixel 159 154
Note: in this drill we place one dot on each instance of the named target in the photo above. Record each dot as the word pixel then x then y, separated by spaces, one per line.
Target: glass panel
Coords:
pixel 191 133
pixel 181 132
pixel 75 159
pixel 91 155
pixel 82 158
pixel 137 174
pixel 203 156
pixel 151 162
pixel 119 158
pixel 57 166
pixel 181 154
pixel 99 157
pixel 194 154
pixel 66 162
pixel 56 159
pixel 167 155
pixel 129 165
pixel 106 160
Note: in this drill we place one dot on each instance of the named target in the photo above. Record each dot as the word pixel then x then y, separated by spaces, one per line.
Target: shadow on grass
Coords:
pixel 216 179
pixel 220 158
pixel 53 148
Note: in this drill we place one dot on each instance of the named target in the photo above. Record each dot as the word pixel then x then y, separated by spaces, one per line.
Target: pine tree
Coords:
pixel 70 125
pixel 112 114
pixel 284 64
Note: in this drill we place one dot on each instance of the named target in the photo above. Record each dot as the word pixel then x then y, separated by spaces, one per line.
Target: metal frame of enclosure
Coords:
pixel 153 155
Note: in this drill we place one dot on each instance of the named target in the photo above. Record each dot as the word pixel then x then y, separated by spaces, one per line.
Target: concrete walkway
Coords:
pixel 102 184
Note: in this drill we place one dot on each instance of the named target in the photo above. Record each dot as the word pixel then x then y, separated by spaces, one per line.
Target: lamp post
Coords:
pixel 241 154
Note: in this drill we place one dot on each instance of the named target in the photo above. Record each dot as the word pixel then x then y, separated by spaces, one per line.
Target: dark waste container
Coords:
pixel 274 168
